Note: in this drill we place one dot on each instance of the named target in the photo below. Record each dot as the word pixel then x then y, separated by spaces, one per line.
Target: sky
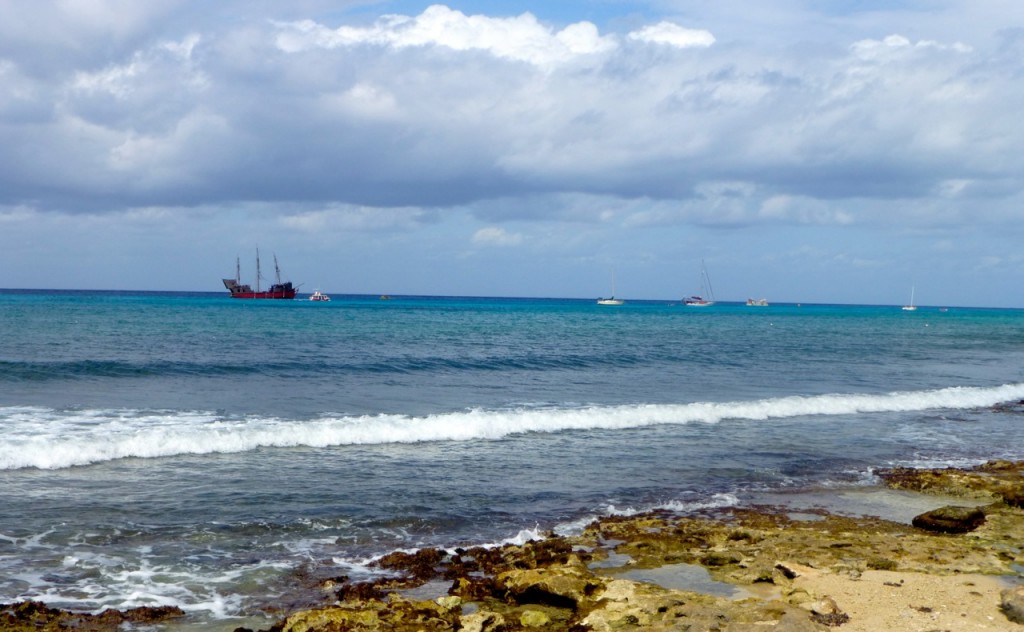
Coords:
pixel 805 151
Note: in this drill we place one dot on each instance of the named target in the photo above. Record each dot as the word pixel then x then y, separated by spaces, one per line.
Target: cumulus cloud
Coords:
pixel 521 38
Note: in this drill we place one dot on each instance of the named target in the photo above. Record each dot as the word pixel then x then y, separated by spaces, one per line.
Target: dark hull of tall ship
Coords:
pixel 280 290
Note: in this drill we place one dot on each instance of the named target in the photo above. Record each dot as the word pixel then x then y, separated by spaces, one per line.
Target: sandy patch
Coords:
pixel 911 602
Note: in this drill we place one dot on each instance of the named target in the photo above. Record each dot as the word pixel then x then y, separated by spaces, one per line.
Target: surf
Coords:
pixel 45 438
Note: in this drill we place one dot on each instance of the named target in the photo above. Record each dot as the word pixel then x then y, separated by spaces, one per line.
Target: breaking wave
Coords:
pixel 53 439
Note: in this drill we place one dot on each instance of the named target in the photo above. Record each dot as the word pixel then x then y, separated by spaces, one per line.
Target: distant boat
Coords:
pixel 699 300
pixel 611 300
pixel 244 290
pixel 759 302
pixel 319 296
pixel 911 307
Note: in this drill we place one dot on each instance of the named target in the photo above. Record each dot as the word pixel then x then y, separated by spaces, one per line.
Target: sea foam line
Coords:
pixel 49 439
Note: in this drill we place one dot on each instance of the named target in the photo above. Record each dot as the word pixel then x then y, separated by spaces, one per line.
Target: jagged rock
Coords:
pixel 635 605
pixel 561 587
pixel 483 622
pixel 950 519
pixel 1013 604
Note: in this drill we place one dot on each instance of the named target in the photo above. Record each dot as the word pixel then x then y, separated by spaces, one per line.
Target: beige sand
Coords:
pixel 911 602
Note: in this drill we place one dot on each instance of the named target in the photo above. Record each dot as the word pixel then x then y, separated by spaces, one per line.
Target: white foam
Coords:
pixel 114 582
pixel 52 439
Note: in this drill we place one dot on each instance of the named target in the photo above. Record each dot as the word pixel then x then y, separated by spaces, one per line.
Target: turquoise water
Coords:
pixel 191 449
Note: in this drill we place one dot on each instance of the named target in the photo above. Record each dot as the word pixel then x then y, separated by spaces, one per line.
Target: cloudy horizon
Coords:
pixel 478 148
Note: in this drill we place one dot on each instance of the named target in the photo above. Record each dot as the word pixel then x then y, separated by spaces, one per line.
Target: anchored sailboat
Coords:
pixel 911 307
pixel 611 300
pixel 706 296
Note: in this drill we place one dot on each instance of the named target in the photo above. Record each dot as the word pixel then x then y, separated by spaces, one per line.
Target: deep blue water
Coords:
pixel 191 449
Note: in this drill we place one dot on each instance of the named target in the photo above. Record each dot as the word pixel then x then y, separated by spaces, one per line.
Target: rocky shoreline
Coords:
pixel 959 566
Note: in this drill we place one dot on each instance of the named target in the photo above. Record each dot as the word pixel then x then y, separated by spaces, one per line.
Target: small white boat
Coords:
pixel 705 285
pixel 611 300
pixel 319 296
pixel 757 302
pixel 911 307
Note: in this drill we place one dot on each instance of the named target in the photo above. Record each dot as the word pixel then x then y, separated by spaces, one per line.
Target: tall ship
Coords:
pixel 244 290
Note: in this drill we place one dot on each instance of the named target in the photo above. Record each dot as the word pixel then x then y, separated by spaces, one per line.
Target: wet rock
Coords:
pixel 422 564
pixel 397 615
pixel 950 519
pixel 990 480
pixel 38 617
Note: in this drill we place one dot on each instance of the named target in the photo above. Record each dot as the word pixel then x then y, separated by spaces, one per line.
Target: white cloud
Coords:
pixel 115 80
pixel 365 100
pixel 494 236
pixel 896 45
pixel 803 210
pixel 673 35
pixel 362 219
pixel 521 38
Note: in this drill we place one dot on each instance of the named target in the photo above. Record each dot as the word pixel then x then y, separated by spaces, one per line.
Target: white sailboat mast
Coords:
pixel 706 281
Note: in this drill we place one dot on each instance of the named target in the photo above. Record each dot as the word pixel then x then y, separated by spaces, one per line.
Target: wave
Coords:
pixel 45 438
pixel 114 369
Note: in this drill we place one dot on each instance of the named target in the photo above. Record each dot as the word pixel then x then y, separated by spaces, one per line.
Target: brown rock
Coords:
pixel 562 587
pixel 950 519
pixel 1014 497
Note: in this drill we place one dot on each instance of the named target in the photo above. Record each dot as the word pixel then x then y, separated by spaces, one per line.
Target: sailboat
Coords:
pixel 706 296
pixel 611 300
pixel 911 307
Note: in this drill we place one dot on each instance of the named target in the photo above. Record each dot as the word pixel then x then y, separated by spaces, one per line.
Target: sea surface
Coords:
pixel 223 455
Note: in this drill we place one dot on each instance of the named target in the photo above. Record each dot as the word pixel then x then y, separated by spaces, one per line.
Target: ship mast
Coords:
pixel 257 269
pixel 277 270
pixel 238 269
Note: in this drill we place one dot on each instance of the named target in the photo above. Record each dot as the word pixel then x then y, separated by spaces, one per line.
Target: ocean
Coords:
pixel 224 455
